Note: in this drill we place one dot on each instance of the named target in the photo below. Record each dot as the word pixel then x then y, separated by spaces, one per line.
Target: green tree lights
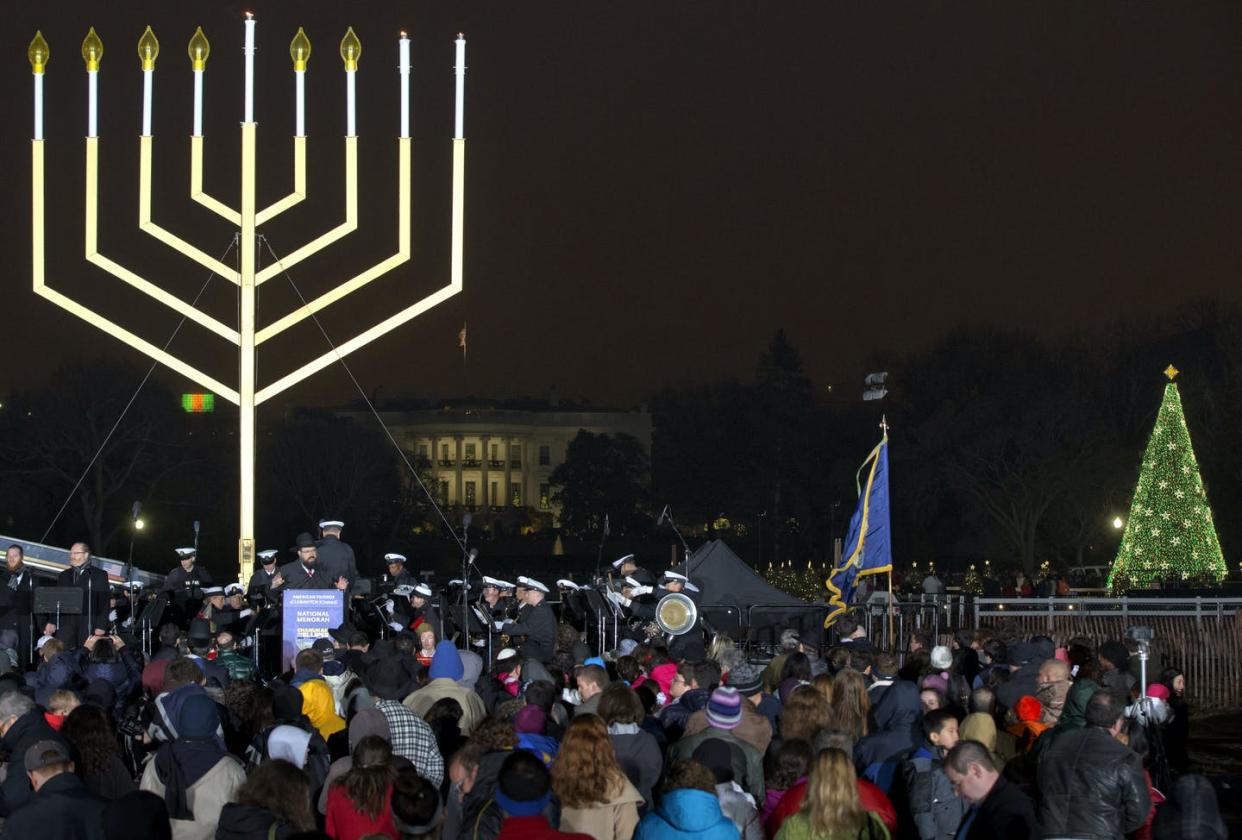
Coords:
pixel 1170 534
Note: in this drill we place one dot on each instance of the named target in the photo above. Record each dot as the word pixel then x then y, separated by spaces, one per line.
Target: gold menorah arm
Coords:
pixel 392 322
pixel 378 270
pixel 173 241
pixel 343 229
pixel 299 186
pixel 121 272
pixel 74 308
pixel 196 185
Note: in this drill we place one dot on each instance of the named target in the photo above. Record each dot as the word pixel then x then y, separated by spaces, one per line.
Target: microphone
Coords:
pixel 137 509
pixel 663 517
pixel 465 522
pixel 474 552
pixel 607 531
pixel 196 527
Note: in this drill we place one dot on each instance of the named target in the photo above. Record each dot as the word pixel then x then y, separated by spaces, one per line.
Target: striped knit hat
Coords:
pixel 724 709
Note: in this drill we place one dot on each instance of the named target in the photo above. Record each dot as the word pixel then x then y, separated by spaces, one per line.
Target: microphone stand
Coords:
pixel 599 559
pixel 668 515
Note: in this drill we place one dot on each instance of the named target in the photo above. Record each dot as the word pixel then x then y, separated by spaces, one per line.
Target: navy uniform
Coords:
pixel 261 579
pixel 182 584
pixel 689 645
pixel 93 582
pixel 397 574
pixel 336 558
pixel 536 626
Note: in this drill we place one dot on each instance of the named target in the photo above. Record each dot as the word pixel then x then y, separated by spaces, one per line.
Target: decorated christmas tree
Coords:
pixel 1170 534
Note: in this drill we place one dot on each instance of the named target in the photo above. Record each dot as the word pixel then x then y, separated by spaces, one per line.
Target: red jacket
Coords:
pixel 344 822
pixel 533 828
pixel 873 799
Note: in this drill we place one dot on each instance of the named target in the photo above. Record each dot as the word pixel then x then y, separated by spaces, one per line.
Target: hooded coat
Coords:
pixel 614 819
pixel 1073 715
pixel 677 714
pixel 687 814
pixel 446 670
pixel 250 822
pixel 319 706
pixel 897 716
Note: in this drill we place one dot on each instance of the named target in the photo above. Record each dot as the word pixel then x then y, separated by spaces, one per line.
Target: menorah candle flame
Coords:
pixel 246 218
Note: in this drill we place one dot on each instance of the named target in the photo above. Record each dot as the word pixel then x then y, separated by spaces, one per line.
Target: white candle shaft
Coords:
pixel 350 125
pixel 299 77
pixel 459 122
pixel 198 103
pixel 92 103
pixel 405 87
pixel 146 101
pixel 249 51
pixel 38 106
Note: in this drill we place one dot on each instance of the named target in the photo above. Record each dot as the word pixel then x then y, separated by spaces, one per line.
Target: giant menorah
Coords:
pixel 248 219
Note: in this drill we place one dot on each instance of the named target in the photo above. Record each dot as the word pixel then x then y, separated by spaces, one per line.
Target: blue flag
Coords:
pixel 867 548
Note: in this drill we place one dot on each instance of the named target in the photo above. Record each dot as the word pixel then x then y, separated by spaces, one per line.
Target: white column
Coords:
pixel 404 69
pixel 198 103
pixel 459 122
pixel 249 56
pixel 147 81
pixel 299 77
pixel 38 105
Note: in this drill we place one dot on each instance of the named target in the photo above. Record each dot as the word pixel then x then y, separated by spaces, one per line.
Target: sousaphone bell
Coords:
pixel 676 614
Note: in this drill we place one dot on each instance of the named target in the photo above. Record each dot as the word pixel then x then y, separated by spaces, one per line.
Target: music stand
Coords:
pixel 151 615
pixel 363 586
pixel 603 608
pixel 58 600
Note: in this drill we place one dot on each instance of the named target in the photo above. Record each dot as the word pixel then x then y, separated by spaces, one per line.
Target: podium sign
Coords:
pixel 308 614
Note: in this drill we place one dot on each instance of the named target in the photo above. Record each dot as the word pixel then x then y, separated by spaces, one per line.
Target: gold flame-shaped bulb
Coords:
pixel 92 50
pixel 351 49
pixel 299 50
pixel 148 49
pixel 38 52
pixel 199 50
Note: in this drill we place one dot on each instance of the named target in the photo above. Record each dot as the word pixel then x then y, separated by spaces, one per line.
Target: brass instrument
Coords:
pixel 676 614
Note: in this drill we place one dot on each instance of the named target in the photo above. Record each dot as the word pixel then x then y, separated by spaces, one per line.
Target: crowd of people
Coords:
pixel 401 734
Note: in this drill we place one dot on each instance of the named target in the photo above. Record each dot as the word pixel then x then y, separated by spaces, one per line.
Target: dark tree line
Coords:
pixel 1002 446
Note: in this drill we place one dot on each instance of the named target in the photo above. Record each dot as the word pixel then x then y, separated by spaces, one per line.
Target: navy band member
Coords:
pixel 537 625
pixel 397 574
pixel 187 578
pixel 336 558
pixel 261 580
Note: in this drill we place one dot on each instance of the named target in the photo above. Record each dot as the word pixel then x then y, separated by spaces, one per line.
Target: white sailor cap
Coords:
pixel 488 580
pixel 393 557
pixel 267 554
pixel 208 591
pixel 459 582
pixel 531 583
pixel 186 552
pixel 566 583
pixel 522 580
pixel 671 575
pixel 330 523
pixel 234 589
pixel 405 590
pixel 620 561
pixel 422 590
pixel 630 580
pixel 505 653
pixel 504 584
pixel 133 584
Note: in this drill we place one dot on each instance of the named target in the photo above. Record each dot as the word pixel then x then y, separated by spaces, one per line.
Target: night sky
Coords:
pixel 654 188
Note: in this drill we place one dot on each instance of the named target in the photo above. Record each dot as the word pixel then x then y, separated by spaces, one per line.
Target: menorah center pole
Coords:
pixel 246 367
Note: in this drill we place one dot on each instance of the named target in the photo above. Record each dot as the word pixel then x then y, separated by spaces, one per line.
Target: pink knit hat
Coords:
pixel 1158 690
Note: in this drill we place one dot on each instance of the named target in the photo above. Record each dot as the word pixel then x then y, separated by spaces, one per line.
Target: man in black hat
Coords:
pixel 304 573
pixel 93 582
pixel 261 580
pixel 201 641
pixel 336 558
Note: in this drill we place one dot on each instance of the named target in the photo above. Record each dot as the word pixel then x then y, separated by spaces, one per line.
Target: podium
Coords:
pixel 307 615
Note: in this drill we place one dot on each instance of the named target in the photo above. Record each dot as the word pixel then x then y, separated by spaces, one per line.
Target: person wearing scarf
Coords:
pixel 194 774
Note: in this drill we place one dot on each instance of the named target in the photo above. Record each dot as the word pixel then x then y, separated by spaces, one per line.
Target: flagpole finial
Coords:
pixel 884 424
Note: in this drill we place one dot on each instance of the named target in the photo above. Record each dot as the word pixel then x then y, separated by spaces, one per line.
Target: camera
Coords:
pixel 1139 633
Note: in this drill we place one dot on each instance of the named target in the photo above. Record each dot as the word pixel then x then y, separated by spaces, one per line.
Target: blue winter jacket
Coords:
pixel 899 716
pixel 687 813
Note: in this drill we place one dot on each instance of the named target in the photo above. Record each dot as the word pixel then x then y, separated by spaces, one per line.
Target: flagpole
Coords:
pixel 890 607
